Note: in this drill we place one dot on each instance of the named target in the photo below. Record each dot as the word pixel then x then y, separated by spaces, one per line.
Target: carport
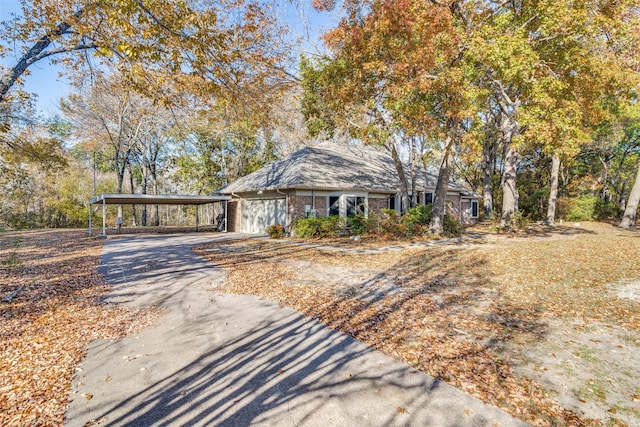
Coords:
pixel 149 199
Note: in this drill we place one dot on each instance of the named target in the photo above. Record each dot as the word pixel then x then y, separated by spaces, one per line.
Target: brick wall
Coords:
pixel 233 215
pixel 453 207
pixel 298 203
pixel 376 205
pixel 296 207
pixel 321 205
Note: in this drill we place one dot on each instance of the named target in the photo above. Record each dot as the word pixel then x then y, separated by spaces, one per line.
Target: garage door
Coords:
pixel 257 215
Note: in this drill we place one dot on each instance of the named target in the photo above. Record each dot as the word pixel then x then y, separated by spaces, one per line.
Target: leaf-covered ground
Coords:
pixel 543 324
pixel 49 311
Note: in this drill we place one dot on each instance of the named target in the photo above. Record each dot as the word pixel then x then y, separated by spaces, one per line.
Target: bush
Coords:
pixel 520 221
pixel 420 215
pixel 275 231
pixel 359 224
pixel 308 228
pixel 604 210
pixel 392 224
pixel 389 224
pixel 583 209
pixel 451 226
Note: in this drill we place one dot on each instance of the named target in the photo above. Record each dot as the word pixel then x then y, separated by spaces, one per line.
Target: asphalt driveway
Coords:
pixel 215 359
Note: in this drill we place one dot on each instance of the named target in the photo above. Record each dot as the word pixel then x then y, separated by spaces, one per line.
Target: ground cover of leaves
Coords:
pixel 50 309
pixel 542 324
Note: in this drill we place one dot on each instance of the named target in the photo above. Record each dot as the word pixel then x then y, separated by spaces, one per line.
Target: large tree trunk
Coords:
pixel 404 191
pixel 440 197
pixel 509 129
pixel 488 161
pixel 553 193
pixel 629 217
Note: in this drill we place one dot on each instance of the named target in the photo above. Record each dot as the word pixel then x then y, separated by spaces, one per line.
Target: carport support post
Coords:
pixel 104 218
pixel 225 215
pixel 90 215
pixel 197 217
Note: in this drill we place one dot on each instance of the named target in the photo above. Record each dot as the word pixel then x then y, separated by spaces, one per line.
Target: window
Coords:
pixel 334 205
pixel 392 202
pixel 355 205
pixel 428 198
pixel 474 209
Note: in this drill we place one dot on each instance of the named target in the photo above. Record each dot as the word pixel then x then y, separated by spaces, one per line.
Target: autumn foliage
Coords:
pixel 50 310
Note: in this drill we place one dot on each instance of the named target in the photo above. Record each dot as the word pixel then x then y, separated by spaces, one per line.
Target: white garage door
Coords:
pixel 257 215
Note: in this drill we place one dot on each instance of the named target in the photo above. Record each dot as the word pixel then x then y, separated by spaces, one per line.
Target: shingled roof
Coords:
pixel 331 167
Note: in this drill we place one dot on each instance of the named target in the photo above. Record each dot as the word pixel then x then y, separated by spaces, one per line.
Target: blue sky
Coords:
pixel 46 82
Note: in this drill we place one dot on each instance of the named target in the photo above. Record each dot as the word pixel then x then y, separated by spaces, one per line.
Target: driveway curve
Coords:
pixel 230 360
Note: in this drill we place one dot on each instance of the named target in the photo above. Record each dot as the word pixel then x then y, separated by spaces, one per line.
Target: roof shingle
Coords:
pixel 331 167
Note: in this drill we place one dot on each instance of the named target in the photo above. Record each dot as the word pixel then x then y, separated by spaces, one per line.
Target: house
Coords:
pixel 330 180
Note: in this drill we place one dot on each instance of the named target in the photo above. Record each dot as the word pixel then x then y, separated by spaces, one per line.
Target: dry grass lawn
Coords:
pixel 50 310
pixel 543 324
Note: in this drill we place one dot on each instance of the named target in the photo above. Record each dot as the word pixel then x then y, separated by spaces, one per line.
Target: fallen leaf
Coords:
pixel 401 410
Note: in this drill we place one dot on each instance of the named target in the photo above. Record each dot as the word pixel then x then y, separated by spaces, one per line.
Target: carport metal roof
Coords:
pixel 152 199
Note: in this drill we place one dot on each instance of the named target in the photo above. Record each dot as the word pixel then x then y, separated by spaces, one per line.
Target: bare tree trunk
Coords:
pixel 143 218
pixel 488 161
pixel 629 217
pixel 133 191
pixel 622 201
pixel 508 129
pixel 605 179
pixel 412 172
pixel 156 208
pixel 553 193
pixel 440 197
pixel 404 191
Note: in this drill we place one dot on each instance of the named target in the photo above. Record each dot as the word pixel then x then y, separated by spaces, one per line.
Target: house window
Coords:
pixel 474 209
pixel 428 198
pixel 355 205
pixel 392 202
pixel 334 205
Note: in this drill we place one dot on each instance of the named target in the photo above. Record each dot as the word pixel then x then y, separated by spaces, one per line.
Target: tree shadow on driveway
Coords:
pixel 239 360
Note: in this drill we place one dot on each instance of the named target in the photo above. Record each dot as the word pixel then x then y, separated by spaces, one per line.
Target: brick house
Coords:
pixel 330 180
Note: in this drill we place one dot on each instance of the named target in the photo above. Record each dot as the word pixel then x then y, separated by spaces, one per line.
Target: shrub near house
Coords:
pixel 388 224
pixel 275 231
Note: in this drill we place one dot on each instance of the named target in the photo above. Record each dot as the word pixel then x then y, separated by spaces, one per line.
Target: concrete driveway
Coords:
pixel 215 359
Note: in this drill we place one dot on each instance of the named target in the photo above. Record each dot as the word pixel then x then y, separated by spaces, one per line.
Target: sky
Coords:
pixel 49 86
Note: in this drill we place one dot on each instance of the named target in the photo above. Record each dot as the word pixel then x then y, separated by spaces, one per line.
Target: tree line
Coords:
pixel 497 89
pixel 533 104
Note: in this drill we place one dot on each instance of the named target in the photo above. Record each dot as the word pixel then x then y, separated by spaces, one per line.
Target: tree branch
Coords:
pixel 64 50
pixel 35 53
